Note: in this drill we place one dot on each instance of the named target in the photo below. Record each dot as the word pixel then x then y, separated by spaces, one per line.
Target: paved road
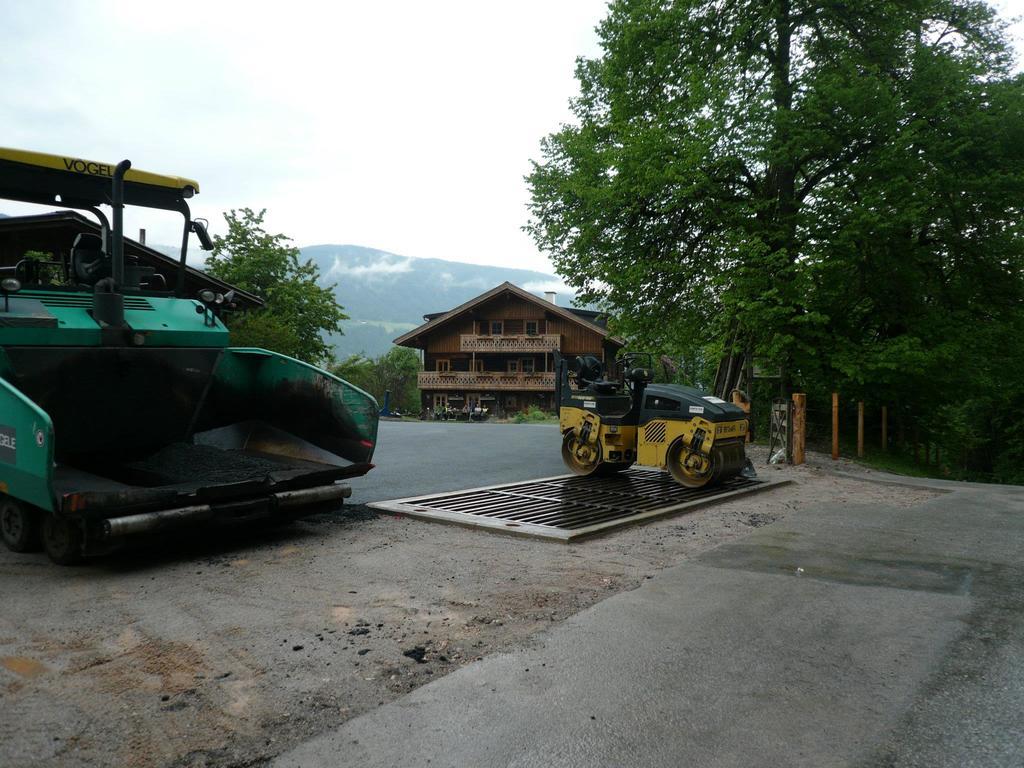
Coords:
pixel 844 636
pixel 475 455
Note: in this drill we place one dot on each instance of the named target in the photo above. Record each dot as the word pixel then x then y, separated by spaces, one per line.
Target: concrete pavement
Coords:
pixel 846 635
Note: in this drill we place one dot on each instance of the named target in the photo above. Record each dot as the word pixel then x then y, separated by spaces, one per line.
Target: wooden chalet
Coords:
pixel 496 350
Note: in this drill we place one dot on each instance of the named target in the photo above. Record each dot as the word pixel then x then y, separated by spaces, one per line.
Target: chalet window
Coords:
pixel 526 364
pixel 497 328
pixel 531 327
pixel 513 366
pixel 443 366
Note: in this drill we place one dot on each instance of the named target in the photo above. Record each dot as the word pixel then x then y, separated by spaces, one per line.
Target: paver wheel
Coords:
pixel 62 540
pixel 19 525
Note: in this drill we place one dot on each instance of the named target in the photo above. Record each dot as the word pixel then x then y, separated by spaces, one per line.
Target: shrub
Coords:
pixel 533 414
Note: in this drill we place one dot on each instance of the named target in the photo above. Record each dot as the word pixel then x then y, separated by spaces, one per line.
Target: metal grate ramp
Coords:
pixel 569 507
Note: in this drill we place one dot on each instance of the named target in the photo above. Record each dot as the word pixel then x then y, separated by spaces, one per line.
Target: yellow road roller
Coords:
pixel 609 424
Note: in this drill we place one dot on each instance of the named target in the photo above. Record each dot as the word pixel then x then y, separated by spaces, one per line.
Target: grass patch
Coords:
pixel 895 462
pixel 898 463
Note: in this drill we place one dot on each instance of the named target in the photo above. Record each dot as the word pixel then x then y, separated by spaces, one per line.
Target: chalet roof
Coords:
pixel 55 232
pixel 439 319
pixel 593 315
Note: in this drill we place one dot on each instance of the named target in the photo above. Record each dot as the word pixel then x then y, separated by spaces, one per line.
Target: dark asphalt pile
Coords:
pixel 185 463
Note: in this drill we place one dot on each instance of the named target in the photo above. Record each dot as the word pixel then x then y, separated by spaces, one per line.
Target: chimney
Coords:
pixel 142 236
pixel 551 296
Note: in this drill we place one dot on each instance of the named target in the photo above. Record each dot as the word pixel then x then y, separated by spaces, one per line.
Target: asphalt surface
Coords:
pixel 407 454
pixel 844 635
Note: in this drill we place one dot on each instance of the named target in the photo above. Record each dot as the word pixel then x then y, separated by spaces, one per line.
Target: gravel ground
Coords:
pixel 226 651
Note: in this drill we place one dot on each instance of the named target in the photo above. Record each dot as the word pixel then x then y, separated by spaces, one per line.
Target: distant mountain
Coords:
pixel 386 294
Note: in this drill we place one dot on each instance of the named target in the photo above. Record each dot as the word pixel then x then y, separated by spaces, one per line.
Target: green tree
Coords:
pixel 298 310
pixel 51 275
pixel 838 186
pixel 395 371
pixel 358 370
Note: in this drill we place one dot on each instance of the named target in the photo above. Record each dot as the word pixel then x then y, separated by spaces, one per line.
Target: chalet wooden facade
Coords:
pixel 496 350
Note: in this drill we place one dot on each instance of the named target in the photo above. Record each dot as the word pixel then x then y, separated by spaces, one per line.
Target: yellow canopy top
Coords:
pixel 76 165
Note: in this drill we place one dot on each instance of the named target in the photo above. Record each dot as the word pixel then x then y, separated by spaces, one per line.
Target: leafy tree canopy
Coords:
pixel 298 310
pixel 395 371
pixel 836 185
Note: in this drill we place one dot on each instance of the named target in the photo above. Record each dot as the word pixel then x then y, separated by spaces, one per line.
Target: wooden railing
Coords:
pixel 547 342
pixel 535 382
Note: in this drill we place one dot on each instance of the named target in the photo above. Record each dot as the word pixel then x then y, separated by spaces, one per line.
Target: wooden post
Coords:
pixel 744 403
pixel 885 428
pixel 835 425
pixel 799 426
pixel 860 429
pixel 751 426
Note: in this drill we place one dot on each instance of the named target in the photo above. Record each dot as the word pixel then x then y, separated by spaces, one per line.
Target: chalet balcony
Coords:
pixel 547 342
pixel 487 381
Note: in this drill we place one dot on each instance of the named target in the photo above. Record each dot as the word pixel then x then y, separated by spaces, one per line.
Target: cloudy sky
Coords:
pixel 403 126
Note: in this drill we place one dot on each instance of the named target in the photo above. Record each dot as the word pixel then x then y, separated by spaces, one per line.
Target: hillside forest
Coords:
pixel 832 188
